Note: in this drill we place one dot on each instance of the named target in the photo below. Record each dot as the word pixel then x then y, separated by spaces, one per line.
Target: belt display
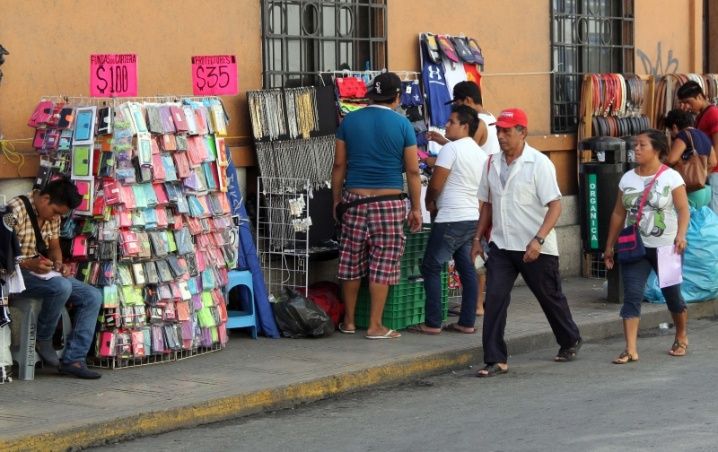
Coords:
pixel 667 88
pixel 615 104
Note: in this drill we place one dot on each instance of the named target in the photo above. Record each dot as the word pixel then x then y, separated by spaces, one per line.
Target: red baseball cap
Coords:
pixel 512 117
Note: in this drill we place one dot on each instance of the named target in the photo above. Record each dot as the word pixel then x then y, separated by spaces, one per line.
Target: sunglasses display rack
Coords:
pixel 615 105
pixel 667 92
pixel 153 231
pixel 293 131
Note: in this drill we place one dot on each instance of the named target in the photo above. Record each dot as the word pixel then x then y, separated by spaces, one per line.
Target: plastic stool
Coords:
pixel 242 319
pixel 24 313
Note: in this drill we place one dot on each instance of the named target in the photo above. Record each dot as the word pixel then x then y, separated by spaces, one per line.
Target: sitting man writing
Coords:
pixel 38 214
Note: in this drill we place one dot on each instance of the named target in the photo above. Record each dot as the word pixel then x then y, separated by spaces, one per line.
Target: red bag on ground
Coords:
pixel 325 294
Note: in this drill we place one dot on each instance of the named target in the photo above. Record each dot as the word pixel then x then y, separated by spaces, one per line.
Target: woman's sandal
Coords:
pixel 625 358
pixel 678 345
pixel 491 370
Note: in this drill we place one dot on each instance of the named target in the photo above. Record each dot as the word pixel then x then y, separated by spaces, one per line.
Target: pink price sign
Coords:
pixel 214 75
pixel 113 75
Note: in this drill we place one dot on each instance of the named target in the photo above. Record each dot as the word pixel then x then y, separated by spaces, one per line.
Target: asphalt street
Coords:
pixel 660 403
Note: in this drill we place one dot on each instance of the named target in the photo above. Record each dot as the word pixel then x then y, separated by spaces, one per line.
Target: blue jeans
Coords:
pixel 635 276
pixel 447 240
pixel 55 293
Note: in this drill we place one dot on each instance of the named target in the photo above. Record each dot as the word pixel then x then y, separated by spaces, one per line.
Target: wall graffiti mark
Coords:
pixel 657 67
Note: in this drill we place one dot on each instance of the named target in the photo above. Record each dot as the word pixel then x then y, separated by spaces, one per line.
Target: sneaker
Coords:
pixel 79 369
pixel 47 353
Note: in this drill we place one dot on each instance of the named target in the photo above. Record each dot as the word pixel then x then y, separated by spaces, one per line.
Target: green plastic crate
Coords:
pixel 414 248
pixel 405 304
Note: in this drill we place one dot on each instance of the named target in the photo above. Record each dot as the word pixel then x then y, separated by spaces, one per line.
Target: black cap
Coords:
pixel 385 86
pixel 466 89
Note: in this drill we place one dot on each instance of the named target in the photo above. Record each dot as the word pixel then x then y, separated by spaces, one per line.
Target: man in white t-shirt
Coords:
pixel 522 204
pixel 468 93
pixel 452 201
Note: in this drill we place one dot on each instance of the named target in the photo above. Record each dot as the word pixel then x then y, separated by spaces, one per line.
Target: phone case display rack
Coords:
pixel 667 92
pixel 615 105
pixel 154 230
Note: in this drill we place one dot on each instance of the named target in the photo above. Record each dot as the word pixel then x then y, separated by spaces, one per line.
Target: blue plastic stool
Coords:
pixel 246 318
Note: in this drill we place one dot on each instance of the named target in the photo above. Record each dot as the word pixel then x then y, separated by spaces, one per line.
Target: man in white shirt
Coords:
pixel 469 93
pixel 452 201
pixel 522 204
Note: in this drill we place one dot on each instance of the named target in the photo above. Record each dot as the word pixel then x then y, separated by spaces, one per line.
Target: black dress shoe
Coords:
pixel 79 369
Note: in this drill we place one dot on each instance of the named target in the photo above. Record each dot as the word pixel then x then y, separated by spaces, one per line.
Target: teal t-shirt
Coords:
pixel 375 139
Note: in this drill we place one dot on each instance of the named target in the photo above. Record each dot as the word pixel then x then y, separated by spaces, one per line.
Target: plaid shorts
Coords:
pixel 372 239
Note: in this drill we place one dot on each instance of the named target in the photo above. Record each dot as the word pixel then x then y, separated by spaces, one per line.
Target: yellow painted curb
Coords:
pixel 238 405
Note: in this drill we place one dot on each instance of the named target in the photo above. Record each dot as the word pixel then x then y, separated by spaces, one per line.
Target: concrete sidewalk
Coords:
pixel 54 413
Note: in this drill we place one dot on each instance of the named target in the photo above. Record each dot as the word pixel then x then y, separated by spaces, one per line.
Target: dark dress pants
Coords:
pixel 542 277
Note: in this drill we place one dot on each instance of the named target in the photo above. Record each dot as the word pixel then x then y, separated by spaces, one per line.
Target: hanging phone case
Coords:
pixel 151 273
pixel 84 126
pixel 81 161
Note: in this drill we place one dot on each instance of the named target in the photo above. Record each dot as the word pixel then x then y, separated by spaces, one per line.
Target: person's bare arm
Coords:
pixel 618 219
pixel 533 248
pixel 339 171
pixel 413 180
pixel 680 202
pixel 436 185
pixel 674 155
pixel 482 133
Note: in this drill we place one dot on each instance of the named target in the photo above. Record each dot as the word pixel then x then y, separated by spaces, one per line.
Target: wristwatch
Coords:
pixel 540 240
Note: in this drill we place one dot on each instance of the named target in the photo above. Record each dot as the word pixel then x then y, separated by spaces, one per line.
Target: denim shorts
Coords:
pixel 635 276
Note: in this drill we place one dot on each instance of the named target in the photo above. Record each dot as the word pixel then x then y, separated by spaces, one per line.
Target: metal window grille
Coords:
pixel 304 37
pixel 587 36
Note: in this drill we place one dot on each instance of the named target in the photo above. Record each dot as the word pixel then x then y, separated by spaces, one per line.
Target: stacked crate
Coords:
pixel 405 303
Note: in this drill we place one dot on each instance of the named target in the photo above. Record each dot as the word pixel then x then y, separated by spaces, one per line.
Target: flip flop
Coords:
pixel 625 358
pixel 345 331
pixel 462 49
pixel 491 370
pixel 447 48
pixel 432 48
pixel 421 329
pixel 567 354
pixel 677 345
pixel 476 51
pixel 456 328
pixel 391 334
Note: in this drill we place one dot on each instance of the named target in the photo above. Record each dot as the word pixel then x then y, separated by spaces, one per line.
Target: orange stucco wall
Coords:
pixel 508 49
pixel 669 36
pixel 50 43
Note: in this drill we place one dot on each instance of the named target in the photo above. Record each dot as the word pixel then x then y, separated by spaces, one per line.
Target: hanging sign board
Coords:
pixel 593 211
pixel 113 75
pixel 214 75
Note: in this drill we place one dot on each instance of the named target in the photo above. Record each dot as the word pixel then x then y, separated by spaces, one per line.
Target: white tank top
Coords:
pixel 492 142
